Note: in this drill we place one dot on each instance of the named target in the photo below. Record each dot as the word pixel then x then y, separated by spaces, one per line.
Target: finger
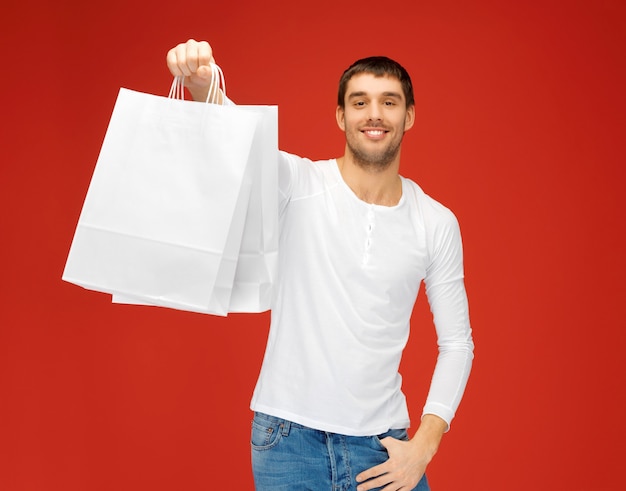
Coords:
pixel 177 61
pixel 372 472
pixel 184 57
pixel 196 55
pixel 389 442
pixel 172 63
pixel 205 54
pixel 187 58
pixel 376 483
pixel 204 72
pixel 191 57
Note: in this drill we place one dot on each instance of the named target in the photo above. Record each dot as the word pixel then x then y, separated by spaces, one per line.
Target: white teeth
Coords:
pixel 375 132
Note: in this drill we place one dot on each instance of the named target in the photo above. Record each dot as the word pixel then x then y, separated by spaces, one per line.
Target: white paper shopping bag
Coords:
pixel 157 223
pixel 251 289
pixel 258 256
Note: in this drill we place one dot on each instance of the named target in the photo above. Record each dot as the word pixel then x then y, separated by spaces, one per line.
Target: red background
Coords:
pixel 520 130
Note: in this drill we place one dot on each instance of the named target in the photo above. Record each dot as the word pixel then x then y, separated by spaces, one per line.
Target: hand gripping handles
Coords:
pixel 177 91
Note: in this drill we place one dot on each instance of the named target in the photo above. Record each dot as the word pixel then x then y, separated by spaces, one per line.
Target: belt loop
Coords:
pixel 285 426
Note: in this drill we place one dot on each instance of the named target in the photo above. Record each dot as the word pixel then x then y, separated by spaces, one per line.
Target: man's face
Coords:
pixel 374 119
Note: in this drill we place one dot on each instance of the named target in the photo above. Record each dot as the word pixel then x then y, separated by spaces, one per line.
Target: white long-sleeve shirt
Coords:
pixel 349 274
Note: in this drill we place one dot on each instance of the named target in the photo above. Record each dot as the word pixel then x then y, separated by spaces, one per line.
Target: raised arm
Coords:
pixel 192 60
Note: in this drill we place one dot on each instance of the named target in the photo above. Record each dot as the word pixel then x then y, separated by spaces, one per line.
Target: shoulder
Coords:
pixel 442 235
pixel 431 211
pixel 305 164
pixel 300 177
pixel 303 168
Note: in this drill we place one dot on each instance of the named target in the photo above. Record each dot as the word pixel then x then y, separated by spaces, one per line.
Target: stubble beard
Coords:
pixel 373 160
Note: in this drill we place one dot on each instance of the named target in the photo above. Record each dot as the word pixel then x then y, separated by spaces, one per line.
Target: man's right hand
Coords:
pixel 191 60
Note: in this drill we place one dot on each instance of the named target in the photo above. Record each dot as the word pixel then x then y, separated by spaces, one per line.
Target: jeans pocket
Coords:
pixel 266 432
pixel 400 434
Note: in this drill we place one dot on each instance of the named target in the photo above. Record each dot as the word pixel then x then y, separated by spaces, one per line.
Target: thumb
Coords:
pixel 389 443
pixel 204 72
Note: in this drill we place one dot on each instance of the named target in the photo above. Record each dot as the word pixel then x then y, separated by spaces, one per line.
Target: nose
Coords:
pixel 374 113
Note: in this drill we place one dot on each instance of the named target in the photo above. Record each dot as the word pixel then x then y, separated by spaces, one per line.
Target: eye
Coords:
pixel 359 103
pixel 389 103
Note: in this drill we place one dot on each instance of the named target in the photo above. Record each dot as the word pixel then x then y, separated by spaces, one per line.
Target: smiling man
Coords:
pixel 356 241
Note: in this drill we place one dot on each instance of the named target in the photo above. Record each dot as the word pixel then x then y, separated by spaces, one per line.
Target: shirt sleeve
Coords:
pixel 447 297
pixel 287 170
pixel 287 173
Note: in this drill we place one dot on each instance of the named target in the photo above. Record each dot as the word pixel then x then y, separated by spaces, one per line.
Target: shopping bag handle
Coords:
pixel 177 91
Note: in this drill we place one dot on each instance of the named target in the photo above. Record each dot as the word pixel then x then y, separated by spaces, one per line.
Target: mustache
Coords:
pixel 375 124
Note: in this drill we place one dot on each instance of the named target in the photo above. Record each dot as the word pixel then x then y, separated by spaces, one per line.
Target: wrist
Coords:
pixel 198 94
pixel 429 434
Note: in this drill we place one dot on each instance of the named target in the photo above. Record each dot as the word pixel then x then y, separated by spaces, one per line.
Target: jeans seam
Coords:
pixel 269 432
pixel 346 456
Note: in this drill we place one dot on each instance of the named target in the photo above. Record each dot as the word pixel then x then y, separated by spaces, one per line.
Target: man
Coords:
pixel 356 240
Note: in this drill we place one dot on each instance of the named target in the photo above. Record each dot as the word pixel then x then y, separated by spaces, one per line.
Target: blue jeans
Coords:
pixel 290 457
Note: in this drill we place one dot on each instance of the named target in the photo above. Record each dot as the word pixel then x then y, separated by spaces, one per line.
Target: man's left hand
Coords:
pixel 407 460
pixel 401 472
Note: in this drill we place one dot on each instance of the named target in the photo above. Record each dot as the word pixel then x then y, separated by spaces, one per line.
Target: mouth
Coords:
pixel 374 133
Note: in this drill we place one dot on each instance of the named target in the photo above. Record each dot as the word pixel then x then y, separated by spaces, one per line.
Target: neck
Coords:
pixel 380 186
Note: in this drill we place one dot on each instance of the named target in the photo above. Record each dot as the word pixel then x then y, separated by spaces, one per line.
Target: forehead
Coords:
pixel 371 85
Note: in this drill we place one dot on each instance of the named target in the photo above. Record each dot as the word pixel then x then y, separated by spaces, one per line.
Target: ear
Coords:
pixel 340 115
pixel 409 120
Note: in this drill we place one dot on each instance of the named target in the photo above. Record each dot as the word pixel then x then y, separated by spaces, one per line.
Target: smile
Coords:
pixel 374 133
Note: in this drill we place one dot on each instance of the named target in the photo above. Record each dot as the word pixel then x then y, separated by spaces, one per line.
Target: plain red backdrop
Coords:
pixel 521 126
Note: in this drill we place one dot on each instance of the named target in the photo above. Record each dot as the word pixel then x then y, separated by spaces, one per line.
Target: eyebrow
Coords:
pixel 362 93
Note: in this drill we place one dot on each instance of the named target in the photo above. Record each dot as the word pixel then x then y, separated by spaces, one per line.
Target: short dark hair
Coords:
pixel 379 66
